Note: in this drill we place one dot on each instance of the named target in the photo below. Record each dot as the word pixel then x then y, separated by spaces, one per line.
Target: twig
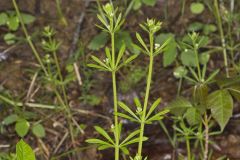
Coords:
pixel 61 142
pixel 76 69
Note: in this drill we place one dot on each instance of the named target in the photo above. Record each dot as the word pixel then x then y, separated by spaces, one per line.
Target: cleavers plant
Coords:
pixel 142 115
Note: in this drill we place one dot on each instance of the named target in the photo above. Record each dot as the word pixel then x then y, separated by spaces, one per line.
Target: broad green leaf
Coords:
pixel 103 133
pixel 179 106
pixel 98 41
pixel 193 116
pixel 204 58
pixel 235 91
pixel 123 38
pixel 200 93
pixel 170 50
pixel 209 28
pixel 9 38
pixel 38 130
pixel 10 119
pixel 24 151
pixel 195 26
pixel 221 104
pixel 180 72
pixel 197 8
pixel 137 4
pixel 22 127
pixel 27 18
pixel 3 19
pixel 13 23
pixel 188 58
pixel 149 2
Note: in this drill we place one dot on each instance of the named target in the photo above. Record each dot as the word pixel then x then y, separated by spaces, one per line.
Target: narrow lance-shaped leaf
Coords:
pixel 103 133
pixel 153 107
pixel 98 142
pixel 120 54
pixel 130 136
pixel 99 62
pixel 127 117
pixel 141 41
pixel 157 116
pixel 127 109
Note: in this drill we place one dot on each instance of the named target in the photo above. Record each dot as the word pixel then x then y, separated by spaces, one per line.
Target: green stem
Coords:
pixel 220 27
pixel 197 61
pixel 36 54
pixel 188 148
pixel 115 100
pixel 149 79
pixel 206 136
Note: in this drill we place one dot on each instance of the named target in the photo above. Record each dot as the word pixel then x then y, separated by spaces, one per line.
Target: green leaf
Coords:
pixel 153 107
pixel 141 41
pixel 22 127
pixel 195 26
pixel 9 38
pixel 123 38
pixel 3 19
pixel 125 150
pixel 188 58
pixel 103 147
pixel 38 130
pixel 221 104
pixel 137 4
pixel 99 62
pixel 130 59
pixel 209 28
pixel 149 2
pixel 197 8
pixel 98 41
pixel 235 91
pixel 180 72
pixel 204 58
pixel 103 133
pixel 193 116
pixel 120 53
pixel 179 106
pixel 98 142
pixel 127 117
pixel 130 136
pixel 170 50
pixel 13 23
pixel 10 119
pixel 137 102
pixel 127 109
pixel 27 18
pixel 24 151
pixel 157 116
pixel 135 140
